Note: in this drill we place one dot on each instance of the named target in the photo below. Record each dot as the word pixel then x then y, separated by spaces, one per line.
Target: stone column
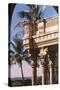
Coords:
pixel 50 69
pixel 42 65
pixel 43 53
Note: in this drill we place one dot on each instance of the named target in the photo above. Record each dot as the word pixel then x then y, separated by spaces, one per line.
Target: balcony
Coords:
pixel 44 40
pixel 47 37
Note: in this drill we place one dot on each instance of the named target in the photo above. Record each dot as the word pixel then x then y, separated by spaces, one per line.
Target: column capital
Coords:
pixel 32 63
pixel 50 63
pixel 43 52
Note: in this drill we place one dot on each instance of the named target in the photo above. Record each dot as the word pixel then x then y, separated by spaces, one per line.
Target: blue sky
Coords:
pixel 47 11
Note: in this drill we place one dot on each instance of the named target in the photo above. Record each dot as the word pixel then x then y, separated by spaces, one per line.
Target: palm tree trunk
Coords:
pixel 22 72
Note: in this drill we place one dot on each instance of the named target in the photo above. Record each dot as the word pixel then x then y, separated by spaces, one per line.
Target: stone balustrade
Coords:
pixel 47 37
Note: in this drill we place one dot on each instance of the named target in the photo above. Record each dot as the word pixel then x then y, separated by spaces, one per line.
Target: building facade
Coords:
pixel 41 40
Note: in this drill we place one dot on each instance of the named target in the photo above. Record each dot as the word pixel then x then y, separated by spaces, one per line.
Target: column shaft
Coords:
pixel 50 75
pixel 42 75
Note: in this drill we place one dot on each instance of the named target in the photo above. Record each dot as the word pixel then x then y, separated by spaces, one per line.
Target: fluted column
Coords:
pixel 50 69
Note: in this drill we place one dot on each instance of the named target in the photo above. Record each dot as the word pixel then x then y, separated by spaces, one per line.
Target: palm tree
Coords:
pixel 10 54
pixel 32 15
pixel 11 57
pixel 17 54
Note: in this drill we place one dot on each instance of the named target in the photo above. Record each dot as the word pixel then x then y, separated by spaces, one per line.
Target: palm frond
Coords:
pixel 30 6
pixel 11 51
pixel 37 8
pixel 56 8
pixel 19 24
pixel 40 15
pixel 19 44
pixel 11 43
pixel 24 14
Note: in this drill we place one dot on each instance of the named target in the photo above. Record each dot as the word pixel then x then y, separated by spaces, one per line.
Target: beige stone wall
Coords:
pixel 51 25
pixel 45 35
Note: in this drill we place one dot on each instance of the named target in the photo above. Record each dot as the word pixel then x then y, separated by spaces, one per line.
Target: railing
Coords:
pixel 43 37
pixel 46 36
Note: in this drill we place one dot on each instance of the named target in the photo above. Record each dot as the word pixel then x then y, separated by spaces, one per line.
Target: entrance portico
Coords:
pixel 44 42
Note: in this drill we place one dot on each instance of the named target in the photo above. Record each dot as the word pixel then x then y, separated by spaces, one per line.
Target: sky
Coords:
pixel 27 70
pixel 47 11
